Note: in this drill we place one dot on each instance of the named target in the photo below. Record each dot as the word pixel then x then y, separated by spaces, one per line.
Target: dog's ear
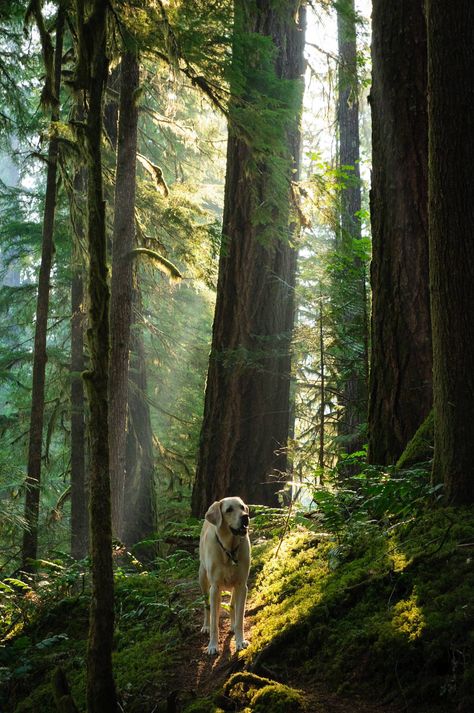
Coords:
pixel 214 514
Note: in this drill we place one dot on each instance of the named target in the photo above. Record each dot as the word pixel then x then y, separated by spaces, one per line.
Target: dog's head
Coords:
pixel 230 512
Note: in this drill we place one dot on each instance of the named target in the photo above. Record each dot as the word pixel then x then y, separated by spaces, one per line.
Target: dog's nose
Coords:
pixel 245 520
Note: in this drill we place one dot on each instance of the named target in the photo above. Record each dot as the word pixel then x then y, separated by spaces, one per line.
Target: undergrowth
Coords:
pixel 45 624
pixel 374 595
pixel 370 590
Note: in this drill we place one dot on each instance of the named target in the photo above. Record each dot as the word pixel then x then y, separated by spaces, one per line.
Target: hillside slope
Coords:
pixel 371 613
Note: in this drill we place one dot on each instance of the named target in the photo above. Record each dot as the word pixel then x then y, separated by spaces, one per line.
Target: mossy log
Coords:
pixel 420 447
pixel 263 694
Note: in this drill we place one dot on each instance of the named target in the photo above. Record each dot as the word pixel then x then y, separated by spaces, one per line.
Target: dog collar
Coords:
pixel 231 554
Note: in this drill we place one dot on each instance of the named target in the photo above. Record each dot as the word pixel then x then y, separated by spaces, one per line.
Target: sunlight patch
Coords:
pixel 408 618
pixel 399 560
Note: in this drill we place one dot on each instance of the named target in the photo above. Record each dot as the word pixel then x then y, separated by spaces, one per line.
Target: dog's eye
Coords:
pixel 229 509
pixel 242 507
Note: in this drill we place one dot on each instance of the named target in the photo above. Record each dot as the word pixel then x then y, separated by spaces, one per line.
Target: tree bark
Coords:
pixel 247 410
pixel 139 509
pixel 111 107
pixel 322 376
pixel 101 695
pixel 79 496
pixel 401 361
pixel 350 279
pixel 451 201
pixel 35 445
pixel 348 122
pixel 121 285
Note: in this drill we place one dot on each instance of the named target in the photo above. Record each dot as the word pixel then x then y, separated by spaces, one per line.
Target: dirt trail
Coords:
pixel 198 674
pixel 203 674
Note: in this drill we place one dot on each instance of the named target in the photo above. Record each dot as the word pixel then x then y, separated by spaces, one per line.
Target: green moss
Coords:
pixel 203 705
pixel 41 699
pixel 262 695
pixel 420 448
pixel 138 665
pixel 385 612
pixel 389 611
pixel 408 618
pixel 287 588
pixel 153 613
pixel 276 698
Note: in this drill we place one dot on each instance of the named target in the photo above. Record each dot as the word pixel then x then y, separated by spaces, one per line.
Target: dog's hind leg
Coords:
pixel 204 584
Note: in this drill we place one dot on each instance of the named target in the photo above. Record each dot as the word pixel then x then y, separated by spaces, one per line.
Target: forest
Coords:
pixel 236 259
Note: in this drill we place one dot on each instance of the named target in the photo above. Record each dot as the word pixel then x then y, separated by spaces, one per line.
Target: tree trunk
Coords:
pixel 79 499
pixel 101 695
pixel 348 123
pixel 352 321
pixel 111 107
pixel 35 446
pixel 139 509
pixel 247 411
pixel 401 362
pixel 121 286
pixel 322 376
pixel 451 146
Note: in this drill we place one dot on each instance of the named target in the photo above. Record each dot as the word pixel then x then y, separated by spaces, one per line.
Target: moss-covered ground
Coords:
pixel 384 610
pixel 388 612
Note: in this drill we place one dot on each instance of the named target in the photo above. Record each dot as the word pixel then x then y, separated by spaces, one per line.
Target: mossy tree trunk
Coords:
pixel 247 405
pixel 322 398
pixel 400 395
pixel 350 278
pixel 79 496
pixel 451 201
pixel 121 285
pixel 101 695
pixel 35 445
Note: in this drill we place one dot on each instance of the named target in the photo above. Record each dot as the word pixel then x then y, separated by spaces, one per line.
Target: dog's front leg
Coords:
pixel 205 590
pixel 215 608
pixel 240 597
pixel 232 611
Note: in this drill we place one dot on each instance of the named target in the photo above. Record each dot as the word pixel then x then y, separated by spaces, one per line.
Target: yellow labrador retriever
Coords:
pixel 224 551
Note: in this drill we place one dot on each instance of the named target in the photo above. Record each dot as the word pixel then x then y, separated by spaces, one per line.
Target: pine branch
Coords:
pixel 156 173
pixel 167 267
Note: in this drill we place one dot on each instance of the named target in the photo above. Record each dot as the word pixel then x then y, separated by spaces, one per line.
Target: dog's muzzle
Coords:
pixel 244 526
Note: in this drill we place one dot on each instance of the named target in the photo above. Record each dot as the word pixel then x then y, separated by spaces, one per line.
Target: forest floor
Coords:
pixel 200 675
pixel 368 632
pixel 378 622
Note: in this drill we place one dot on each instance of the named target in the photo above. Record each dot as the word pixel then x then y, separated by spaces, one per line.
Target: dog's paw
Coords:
pixel 205 630
pixel 241 645
pixel 212 650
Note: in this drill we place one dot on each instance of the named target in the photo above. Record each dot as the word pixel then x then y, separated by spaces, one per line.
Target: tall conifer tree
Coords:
pixel 91 76
pixel 139 513
pixel 79 499
pixel 35 445
pixel 350 273
pixel 247 410
pixel 400 389
pixel 451 147
pixel 121 285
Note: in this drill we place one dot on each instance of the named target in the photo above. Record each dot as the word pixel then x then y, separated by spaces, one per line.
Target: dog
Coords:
pixel 224 553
